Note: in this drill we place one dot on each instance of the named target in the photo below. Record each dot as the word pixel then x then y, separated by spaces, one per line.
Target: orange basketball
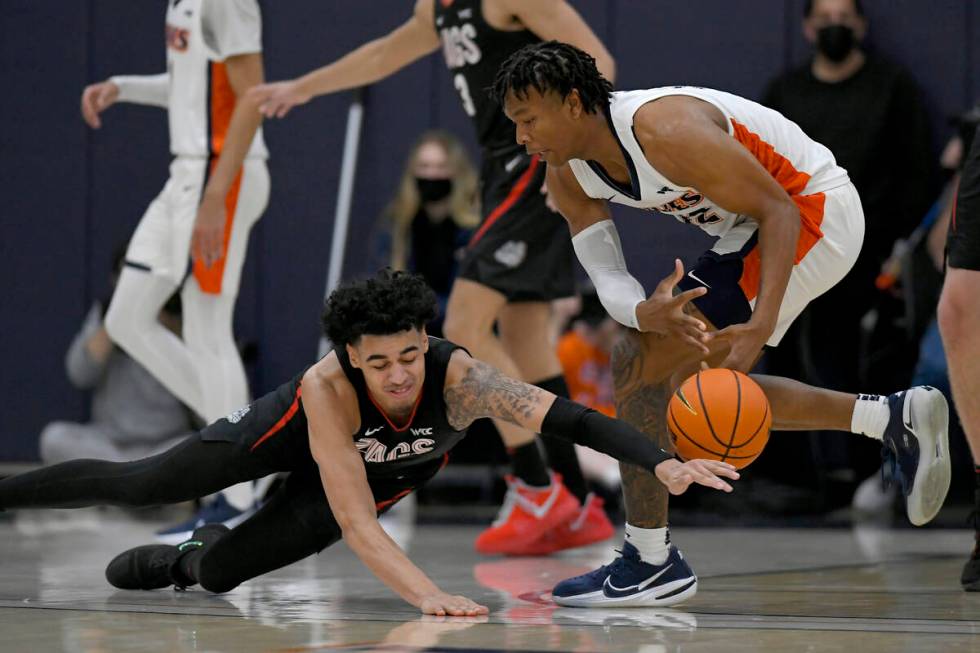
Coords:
pixel 719 414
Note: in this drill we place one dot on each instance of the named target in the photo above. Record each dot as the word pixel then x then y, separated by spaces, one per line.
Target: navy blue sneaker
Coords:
pixel 218 511
pixel 915 450
pixel 628 581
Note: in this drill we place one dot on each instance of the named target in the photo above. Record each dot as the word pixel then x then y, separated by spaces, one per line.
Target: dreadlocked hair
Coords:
pixel 387 303
pixel 552 66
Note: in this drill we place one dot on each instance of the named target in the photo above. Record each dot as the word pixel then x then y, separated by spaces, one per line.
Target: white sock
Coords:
pixel 870 416
pixel 650 542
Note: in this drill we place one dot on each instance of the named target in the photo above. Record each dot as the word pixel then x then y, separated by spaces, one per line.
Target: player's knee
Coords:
pixel 463 327
pixel 54 443
pixel 958 313
pixel 119 325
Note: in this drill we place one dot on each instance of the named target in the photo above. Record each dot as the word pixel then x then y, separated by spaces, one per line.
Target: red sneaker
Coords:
pixel 527 514
pixel 588 526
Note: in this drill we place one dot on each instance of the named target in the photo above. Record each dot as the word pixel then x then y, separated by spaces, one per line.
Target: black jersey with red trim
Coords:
pixel 387 448
pixel 474 50
pixel 275 425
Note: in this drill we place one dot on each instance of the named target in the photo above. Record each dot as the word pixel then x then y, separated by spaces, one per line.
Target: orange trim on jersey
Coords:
pixel 793 182
pixel 509 201
pixel 381 505
pixel 288 415
pixel 381 410
pixel 222 97
pixel 222 105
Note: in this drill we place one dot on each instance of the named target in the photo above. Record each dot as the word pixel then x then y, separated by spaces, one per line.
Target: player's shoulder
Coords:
pixel 326 378
pixel 669 119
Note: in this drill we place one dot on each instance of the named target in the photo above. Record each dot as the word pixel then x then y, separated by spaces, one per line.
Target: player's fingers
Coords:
pixel 710 480
pixel 680 299
pixel 722 469
pixel 678 270
pixel 102 98
pixel 88 111
pixel 695 342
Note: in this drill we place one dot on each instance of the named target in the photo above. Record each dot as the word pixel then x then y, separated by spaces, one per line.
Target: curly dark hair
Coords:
pixel 552 66
pixel 387 303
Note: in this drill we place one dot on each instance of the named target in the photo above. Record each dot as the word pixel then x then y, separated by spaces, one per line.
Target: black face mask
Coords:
pixel 835 42
pixel 433 190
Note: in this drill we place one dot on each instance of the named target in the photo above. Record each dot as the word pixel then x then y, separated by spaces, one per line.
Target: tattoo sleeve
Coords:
pixel 641 402
pixel 485 392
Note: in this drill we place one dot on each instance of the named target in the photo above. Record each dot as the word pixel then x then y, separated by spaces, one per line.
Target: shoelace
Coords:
pixel 621 563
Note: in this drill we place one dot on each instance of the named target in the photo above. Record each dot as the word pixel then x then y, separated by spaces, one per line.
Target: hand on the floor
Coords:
pixel 447 604
pixel 678 476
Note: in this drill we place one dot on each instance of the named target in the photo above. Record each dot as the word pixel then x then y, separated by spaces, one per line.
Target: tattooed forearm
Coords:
pixel 485 392
pixel 642 403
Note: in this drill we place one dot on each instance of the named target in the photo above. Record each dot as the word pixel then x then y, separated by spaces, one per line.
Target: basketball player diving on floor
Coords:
pixel 359 430
pixel 789 226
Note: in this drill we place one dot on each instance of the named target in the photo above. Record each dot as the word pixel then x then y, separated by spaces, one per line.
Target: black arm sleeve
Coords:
pixel 571 421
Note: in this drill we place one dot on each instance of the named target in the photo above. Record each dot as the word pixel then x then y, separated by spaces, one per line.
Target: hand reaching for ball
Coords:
pixel 678 476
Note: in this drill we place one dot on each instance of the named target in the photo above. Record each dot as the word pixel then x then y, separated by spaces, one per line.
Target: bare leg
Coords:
pixel 797 406
pixel 959 324
pixel 641 401
pixel 525 333
pixel 470 316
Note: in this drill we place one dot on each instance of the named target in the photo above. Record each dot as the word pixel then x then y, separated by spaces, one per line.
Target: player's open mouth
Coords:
pixel 400 392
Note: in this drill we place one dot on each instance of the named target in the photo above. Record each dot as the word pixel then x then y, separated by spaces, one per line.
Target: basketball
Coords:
pixel 719 414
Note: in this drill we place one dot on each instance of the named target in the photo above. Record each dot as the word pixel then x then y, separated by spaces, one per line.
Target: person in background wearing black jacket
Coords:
pixel 872 116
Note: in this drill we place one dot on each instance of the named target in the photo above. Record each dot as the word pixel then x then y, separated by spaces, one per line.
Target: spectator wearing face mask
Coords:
pixel 429 219
pixel 871 115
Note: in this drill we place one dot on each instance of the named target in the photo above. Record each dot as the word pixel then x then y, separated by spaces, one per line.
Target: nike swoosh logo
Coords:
pixel 608 587
pixel 510 165
pixel 691 274
pixel 907 413
pixel 372 431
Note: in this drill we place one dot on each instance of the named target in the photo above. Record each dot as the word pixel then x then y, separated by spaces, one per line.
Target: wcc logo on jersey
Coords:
pixel 374 451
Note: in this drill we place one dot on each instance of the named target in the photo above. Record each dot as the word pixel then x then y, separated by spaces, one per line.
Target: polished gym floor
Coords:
pixel 858 590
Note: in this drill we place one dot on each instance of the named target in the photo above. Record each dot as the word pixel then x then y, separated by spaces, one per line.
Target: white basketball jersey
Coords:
pixel 201 34
pixel 801 165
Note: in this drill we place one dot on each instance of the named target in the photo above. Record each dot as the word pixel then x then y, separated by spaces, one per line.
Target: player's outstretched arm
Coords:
pixel 598 248
pixel 329 411
pixel 369 63
pixel 557 20
pixel 688 141
pixel 475 389
pixel 152 90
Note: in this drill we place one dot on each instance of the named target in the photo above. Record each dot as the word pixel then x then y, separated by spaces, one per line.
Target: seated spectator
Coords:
pixel 428 221
pixel 132 414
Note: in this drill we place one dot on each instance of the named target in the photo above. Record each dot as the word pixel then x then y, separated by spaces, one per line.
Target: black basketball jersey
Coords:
pixel 275 425
pixel 390 449
pixel 474 51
